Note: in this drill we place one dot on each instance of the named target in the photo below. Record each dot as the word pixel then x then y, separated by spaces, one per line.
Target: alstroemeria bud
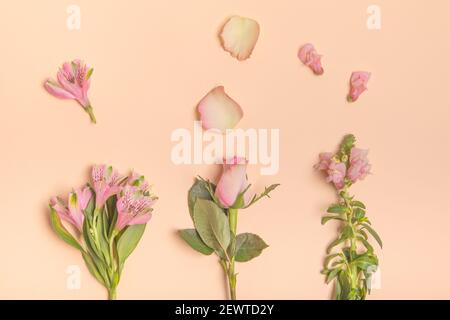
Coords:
pixel 73 83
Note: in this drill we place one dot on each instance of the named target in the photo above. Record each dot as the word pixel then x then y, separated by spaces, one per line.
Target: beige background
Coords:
pixel 153 62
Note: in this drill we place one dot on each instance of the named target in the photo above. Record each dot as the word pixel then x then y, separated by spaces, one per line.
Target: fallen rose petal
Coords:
pixel 358 84
pixel 218 111
pixel 309 56
pixel 239 37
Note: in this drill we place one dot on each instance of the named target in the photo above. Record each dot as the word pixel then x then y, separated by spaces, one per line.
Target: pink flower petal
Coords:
pixel 142 219
pixel 358 84
pixel 217 110
pixel 232 182
pixel 309 56
pixel 239 36
pixel 57 91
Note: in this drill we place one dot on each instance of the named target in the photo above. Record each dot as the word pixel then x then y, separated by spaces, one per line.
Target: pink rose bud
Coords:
pixel 309 56
pixel 232 182
pixel 358 84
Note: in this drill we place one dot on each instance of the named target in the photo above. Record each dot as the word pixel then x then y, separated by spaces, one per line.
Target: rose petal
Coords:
pixel 232 182
pixel 239 36
pixel 217 110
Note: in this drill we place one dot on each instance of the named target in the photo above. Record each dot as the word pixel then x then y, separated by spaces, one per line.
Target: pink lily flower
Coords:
pixel 309 56
pixel 358 84
pixel 73 213
pixel 106 183
pixel 232 182
pixel 133 207
pixel 73 83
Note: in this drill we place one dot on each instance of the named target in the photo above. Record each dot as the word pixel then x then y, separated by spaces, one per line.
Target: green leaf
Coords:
pixel 62 232
pixel 344 285
pixel 358 213
pixel 329 258
pixel 212 225
pixel 366 243
pixel 198 190
pixel 335 243
pixel 93 268
pixel 128 241
pixel 193 239
pixel 337 208
pixel 266 193
pixel 373 233
pixel 358 204
pixel 248 246
pixel 332 274
pixel 328 218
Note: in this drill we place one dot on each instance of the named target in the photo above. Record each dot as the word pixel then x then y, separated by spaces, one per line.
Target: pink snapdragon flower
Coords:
pixel 358 84
pixel 359 165
pixel 134 205
pixel 232 182
pixel 106 183
pixel 73 211
pixel 309 56
pixel 73 83
pixel 335 171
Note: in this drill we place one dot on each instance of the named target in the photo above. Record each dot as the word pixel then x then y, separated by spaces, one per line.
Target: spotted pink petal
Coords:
pixel 56 91
pixel 218 111
pixel 141 219
pixel 309 56
pixel 239 36
pixel 358 84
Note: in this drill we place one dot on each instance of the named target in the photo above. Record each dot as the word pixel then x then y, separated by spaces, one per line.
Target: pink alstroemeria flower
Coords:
pixel 335 170
pixel 309 56
pixel 134 206
pixel 232 182
pixel 106 181
pixel 73 212
pixel 359 165
pixel 358 84
pixel 73 83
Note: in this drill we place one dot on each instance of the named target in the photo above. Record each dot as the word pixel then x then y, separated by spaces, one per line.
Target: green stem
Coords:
pixel 112 295
pixel 232 215
pixel 90 112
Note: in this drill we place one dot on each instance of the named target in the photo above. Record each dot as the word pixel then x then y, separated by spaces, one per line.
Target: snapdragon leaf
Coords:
pixel 358 204
pixel 337 208
pixel 128 241
pixel 191 237
pixel 328 218
pixel 249 246
pixel 373 233
pixel 62 232
pixel 212 225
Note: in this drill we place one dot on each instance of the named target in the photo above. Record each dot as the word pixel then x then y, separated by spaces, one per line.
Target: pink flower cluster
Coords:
pixel 134 201
pixel 356 168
